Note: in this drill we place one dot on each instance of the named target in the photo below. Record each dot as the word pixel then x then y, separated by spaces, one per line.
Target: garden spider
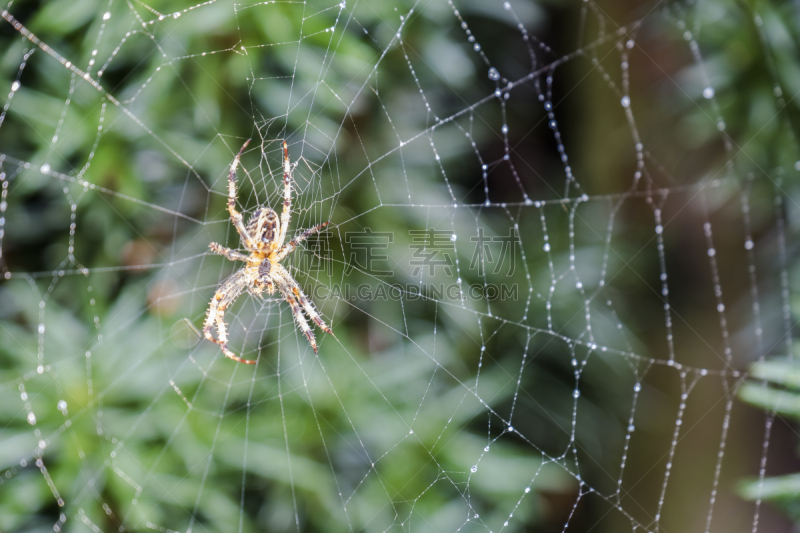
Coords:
pixel 263 238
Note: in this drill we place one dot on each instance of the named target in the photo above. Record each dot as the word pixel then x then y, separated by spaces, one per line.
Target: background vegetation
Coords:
pixel 157 430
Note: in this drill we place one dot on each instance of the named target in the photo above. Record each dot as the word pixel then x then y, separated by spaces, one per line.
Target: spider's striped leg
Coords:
pixel 226 293
pixel 236 217
pixel 311 311
pixel 229 254
pixel 286 214
pixel 297 311
pixel 291 245
pixel 225 296
pixel 300 296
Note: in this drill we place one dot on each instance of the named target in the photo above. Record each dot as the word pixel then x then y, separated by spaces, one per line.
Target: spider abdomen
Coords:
pixel 264 225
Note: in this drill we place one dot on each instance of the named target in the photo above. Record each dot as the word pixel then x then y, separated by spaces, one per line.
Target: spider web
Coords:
pixel 527 336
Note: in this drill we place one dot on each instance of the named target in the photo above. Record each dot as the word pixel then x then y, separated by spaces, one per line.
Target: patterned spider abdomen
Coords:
pixel 267 220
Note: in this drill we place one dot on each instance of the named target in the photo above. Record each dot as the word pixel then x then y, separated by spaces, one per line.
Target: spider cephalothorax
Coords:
pixel 263 239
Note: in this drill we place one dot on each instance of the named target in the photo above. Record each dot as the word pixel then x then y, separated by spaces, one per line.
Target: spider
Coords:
pixel 263 237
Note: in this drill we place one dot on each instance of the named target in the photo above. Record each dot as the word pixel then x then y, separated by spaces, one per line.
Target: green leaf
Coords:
pixel 783 402
pixel 771 488
pixel 782 372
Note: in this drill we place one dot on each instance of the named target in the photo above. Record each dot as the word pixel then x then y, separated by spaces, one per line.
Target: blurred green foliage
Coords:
pixel 158 430
pixel 779 394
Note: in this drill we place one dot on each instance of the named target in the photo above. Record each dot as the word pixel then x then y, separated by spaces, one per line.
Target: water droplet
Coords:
pixel 31 418
pixel 748 244
pixel 504 129
pixel 474 469
pixel 62 405
pixel 45 168
pixel 625 101
pixel 576 393
pixel 107 15
pixel 552 124
pixel 506 6
pixel 453 237
pixel 493 74
pixel 708 93
pixel 546 247
pixel 712 252
pixel 14 86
